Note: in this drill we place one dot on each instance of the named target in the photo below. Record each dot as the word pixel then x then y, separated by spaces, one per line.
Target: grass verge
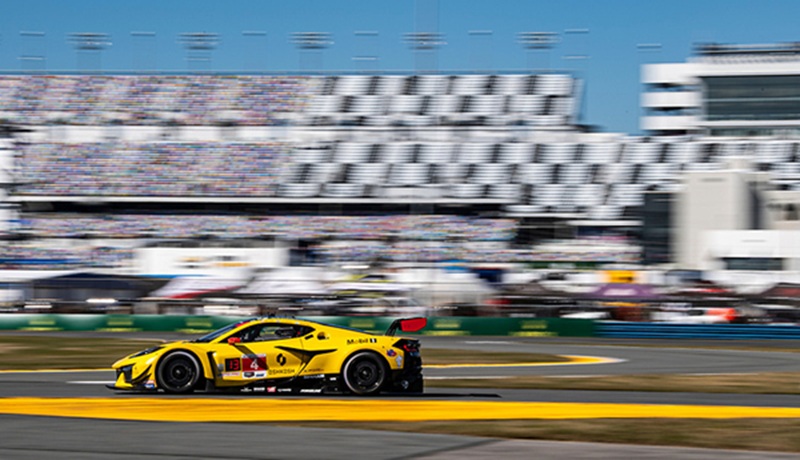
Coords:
pixel 43 352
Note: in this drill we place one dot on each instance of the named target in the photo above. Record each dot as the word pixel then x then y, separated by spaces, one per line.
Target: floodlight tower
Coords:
pixel 310 45
pixel 144 56
pixel 576 40
pixel 481 50
pixel 33 55
pixel 88 48
pixel 367 59
pixel 425 46
pixel 576 46
pixel 426 39
pixel 535 42
pixel 199 46
pixel 649 51
pixel 252 54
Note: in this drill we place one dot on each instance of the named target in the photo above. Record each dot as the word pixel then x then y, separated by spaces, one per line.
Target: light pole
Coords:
pixel 534 42
pixel 144 56
pixel 32 57
pixel 89 45
pixel 311 45
pixel 576 40
pixel 255 36
pixel 652 49
pixel 367 58
pixel 199 46
pixel 578 55
pixel 424 46
pixel 481 50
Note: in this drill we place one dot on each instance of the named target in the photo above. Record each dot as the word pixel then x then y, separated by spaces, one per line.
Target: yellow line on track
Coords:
pixel 409 410
pixel 572 360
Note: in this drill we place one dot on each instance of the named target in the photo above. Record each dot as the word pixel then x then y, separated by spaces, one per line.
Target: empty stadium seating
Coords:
pixel 545 176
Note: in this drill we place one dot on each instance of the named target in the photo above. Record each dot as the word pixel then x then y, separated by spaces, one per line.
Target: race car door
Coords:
pixel 268 350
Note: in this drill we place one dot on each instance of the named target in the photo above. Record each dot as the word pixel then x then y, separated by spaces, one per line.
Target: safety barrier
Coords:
pixel 464 325
pixel 443 326
pixel 696 331
pixel 99 322
pixel 521 327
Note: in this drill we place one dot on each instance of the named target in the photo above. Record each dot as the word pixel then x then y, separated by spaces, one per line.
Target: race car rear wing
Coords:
pixel 407 325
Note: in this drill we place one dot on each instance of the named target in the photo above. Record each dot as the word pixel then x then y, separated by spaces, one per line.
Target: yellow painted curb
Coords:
pixel 573 360
pixel 408 410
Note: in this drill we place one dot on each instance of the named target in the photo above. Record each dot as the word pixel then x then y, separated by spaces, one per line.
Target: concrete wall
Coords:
pixel 711 200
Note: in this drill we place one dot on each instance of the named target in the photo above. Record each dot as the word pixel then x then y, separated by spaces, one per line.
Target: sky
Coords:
pixel 477 34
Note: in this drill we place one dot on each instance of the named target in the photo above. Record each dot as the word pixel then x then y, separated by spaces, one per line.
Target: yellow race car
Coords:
pixel 278 355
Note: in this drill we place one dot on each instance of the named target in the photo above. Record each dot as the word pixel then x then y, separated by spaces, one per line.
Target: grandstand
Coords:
pixel 116 162
pixel 398 168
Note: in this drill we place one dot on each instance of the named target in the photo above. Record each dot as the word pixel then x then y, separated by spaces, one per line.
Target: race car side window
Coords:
pixel 273 331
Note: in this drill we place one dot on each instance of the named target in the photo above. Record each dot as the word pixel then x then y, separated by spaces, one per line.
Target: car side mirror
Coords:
pixel 234 340
pixel 322 336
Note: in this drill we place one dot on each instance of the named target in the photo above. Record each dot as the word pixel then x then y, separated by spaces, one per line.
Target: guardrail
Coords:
pixel 696 331
pixel 456 326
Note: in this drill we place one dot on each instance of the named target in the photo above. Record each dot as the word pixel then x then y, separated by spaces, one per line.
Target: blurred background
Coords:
pixel 617 162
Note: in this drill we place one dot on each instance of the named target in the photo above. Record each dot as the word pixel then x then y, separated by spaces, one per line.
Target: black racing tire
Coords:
pixel 178 372
pixel 365 373
pixel 418 387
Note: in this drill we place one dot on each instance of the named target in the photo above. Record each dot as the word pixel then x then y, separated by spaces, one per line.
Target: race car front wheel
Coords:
pixel 178 372
pixel 364 373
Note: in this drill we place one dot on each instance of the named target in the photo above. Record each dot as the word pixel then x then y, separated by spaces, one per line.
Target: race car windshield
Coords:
pixel 219 332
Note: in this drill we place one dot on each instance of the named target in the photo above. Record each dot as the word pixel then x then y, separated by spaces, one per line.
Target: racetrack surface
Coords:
pixel 26 436
pixel 29 438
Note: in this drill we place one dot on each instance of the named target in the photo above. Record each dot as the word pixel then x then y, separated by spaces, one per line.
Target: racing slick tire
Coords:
pixel 179 372
pixel 418 387
pixel 365 373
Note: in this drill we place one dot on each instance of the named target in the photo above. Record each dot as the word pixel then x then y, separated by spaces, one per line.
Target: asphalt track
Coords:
pixel 72 435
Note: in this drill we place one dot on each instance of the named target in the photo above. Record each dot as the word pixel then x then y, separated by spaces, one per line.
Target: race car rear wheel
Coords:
pixel 364 373
pixel 178 372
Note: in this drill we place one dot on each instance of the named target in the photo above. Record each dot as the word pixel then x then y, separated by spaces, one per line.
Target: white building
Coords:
pixel 725 90
pixel 728 199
